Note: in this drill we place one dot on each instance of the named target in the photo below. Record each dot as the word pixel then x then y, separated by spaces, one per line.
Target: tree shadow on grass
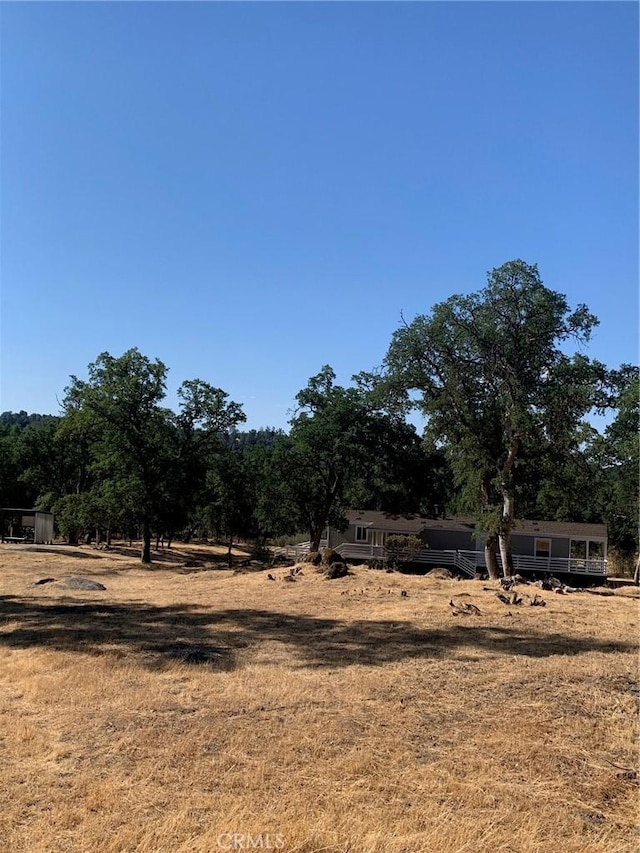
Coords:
pixel 60 550
pixel 170 557
pixel 156 637
pixel 191 559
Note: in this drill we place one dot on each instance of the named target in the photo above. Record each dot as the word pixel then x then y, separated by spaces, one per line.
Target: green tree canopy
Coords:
pixel 621 462
pixel 495 381
pixel 343 448
pixel 145 457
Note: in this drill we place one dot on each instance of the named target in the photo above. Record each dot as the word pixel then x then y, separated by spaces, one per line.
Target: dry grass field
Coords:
pixel 193 710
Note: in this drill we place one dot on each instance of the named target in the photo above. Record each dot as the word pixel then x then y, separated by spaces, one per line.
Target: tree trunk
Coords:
pixel 636 574
pixel 505 534
pixel 145 557
pixel 314 538
pixel 508 508
pixel 108 538
pixel 490 558
pixel 505 553
pixel 229 554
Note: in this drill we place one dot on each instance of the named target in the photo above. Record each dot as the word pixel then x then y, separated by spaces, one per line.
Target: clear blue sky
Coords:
pixel 248 191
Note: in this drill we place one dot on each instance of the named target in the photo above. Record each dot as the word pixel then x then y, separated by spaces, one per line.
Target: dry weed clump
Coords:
pixel 183 711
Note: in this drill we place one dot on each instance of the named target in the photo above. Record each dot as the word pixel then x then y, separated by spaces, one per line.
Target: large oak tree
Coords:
pixel 343 448
pixel 494 379
pixel 143 452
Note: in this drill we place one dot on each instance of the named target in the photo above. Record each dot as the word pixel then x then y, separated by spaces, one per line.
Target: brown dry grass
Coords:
pixel 178 708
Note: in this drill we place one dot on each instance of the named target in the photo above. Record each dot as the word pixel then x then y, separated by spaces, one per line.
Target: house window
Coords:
pixel 585 549
pixel 543 548
pixel 596 550
pixel 578 549
pixel 362 534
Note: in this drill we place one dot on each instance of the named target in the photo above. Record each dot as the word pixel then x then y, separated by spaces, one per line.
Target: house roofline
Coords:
pixel 523 527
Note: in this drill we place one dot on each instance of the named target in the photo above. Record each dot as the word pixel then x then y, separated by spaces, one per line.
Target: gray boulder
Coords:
pixel 337 570
pixel 82 583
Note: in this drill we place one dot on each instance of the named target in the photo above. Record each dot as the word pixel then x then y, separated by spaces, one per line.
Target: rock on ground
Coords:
pixel 337 570
pixel 82 583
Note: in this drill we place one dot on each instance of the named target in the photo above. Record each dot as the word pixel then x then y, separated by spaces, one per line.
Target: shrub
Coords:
pixel 403 549
pixel 313 557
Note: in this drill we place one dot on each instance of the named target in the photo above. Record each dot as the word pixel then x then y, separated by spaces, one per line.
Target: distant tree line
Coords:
pixel 506 405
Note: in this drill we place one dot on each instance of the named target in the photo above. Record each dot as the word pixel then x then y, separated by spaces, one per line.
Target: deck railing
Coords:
pixel 559 564
pixel 299 550
pixel 467 561
pixel 470 561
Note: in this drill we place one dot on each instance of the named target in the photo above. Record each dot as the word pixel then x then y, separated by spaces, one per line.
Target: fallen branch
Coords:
pixel 464 608
pixel 512 599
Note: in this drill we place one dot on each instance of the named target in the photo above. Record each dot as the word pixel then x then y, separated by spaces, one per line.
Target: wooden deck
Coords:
pixel 467 561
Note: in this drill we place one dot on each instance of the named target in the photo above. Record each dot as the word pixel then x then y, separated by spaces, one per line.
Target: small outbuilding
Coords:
pixel 26 525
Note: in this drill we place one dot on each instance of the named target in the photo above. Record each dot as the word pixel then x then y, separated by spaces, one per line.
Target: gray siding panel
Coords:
pixel 526 544
pixel 451 540
pixel 559 547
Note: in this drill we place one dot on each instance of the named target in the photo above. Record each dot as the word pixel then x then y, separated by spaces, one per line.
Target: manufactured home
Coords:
pixel 540 546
